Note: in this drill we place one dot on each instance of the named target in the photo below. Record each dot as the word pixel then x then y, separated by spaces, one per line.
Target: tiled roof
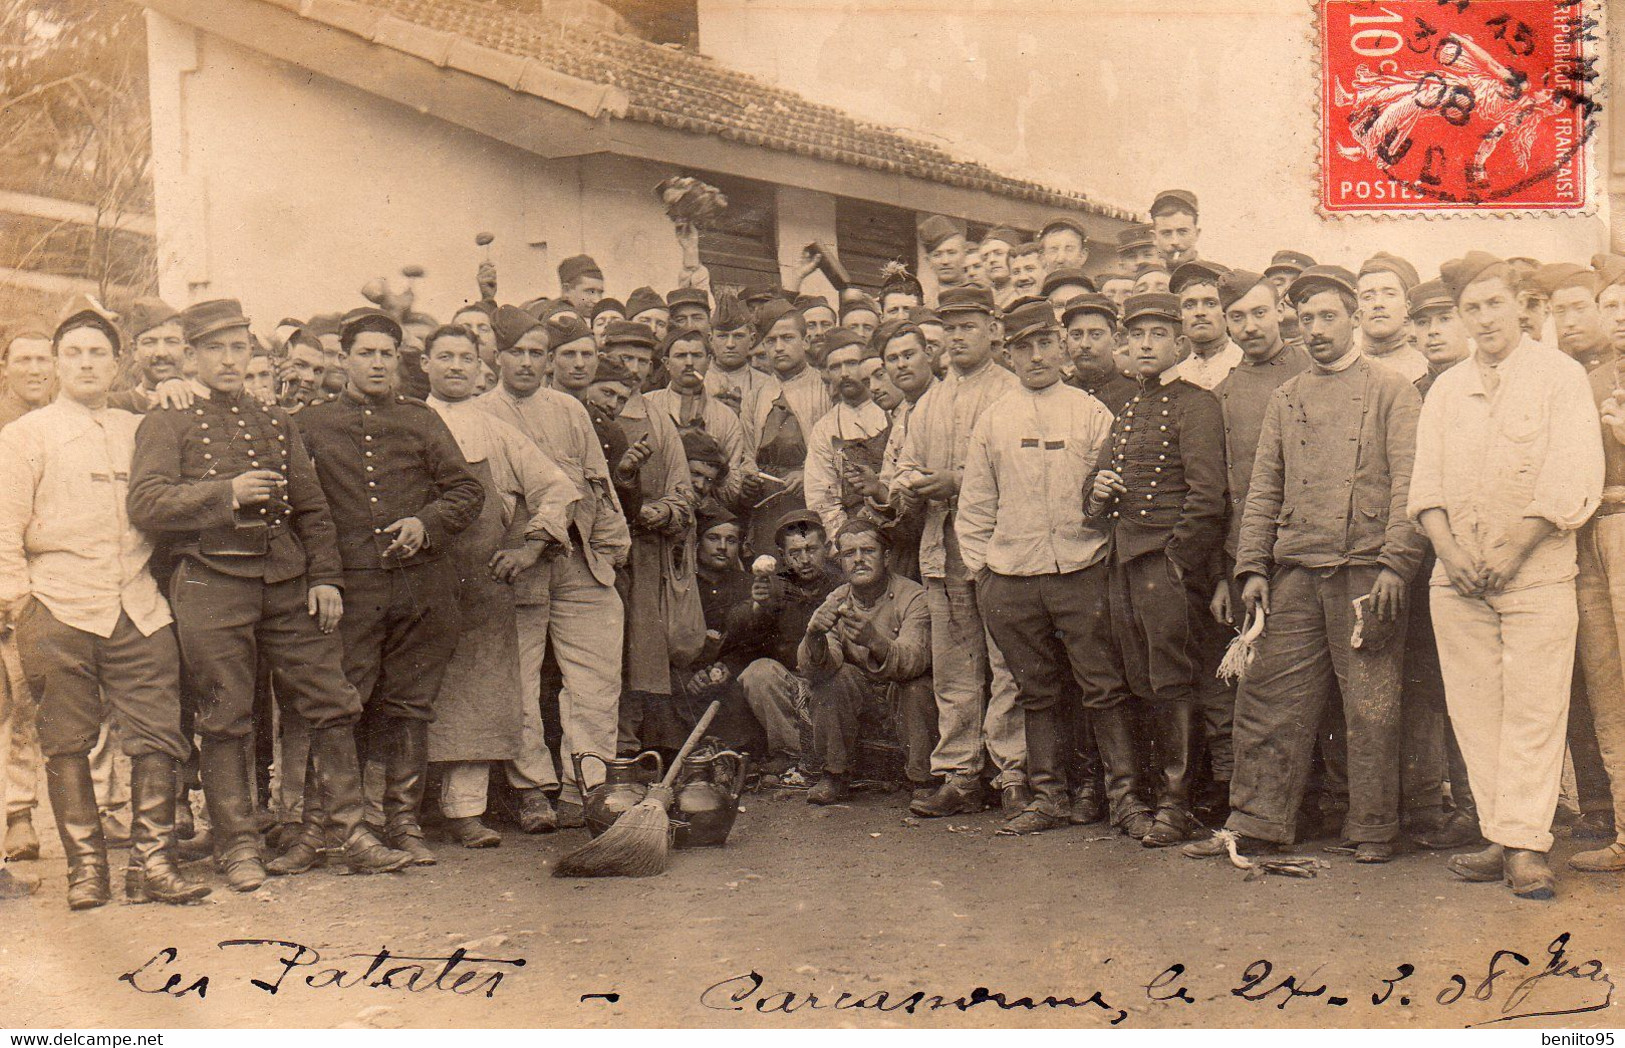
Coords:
pixel 661 85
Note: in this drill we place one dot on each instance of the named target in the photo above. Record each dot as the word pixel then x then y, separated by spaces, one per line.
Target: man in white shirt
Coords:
pixel 1201 314
pixel 1509 465
pixel 851 435
pixel 1384 283
pixel 89 618
pixel 1041 568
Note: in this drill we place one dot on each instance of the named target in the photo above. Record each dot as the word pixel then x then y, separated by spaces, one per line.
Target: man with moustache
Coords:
pixel 1137 248
pixel 1174 216
pixel 1065 244
pixel 1509 466
pixel 1385 280
pixel 849 441
pixel 153 330
pixel 691 408
pixel 1041 567
pixel 1325 553
pixel 574 364
pixel 975 694
pixel 907 362
pixel 779 416
pixel 1213 355
pixel 943 243
pixel 1090 323
pixel 690 309
pixel 996 248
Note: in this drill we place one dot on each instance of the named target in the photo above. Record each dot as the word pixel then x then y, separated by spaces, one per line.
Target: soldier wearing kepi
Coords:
pixel 230 489
pixel 401 492
pixel 89 619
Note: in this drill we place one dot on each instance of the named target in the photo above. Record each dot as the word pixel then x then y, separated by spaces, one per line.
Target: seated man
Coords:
pixel 869 642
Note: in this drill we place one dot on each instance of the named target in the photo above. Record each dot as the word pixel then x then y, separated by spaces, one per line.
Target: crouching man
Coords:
pixel 90 621
pixel 870 637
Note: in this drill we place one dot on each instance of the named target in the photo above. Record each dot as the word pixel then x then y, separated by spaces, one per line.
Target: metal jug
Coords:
pixel 626 782
pixel 707 800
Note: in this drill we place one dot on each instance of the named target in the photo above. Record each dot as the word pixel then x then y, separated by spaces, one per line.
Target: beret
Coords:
pixel 1235 284
pixel 1061 277
pixel 688 296
pixel 612 370
pixel 608 305
pixel 368 318
pixel 628 333
pixel 1196 271
pixel 1296 261
pixel 936 229
pixel 714 515
pixel 1151 304
pixel 771 312
pixel 971 298
pixel 1173 200
pixel 577 266
pixel 1320 277
pixel 643 299
pixel 1428 296
pixel 1383 262
pixel 85 311
pixel 1458 273
pixel 1028 317
pixel 146 314
pixel 1098 304
pixel 510 323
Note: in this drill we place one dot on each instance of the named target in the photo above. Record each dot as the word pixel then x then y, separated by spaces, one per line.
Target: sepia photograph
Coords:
pixel 762 517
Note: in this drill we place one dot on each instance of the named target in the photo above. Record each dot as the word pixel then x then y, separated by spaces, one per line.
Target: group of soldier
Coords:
pixel 995 542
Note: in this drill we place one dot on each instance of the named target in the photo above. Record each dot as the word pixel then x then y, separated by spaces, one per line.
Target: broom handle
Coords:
pixel 692 741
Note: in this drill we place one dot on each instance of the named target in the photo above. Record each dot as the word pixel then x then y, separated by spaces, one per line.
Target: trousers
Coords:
pixel 1508 660
pixel 839 703
pixel 400 631
pixel 1282 696
pixel 771 692
pixel 1601 595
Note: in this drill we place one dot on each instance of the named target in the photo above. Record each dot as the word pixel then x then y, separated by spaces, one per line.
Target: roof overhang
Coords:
pixel 428 82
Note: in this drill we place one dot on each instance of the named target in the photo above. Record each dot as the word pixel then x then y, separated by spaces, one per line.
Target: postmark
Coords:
pixel 1458 106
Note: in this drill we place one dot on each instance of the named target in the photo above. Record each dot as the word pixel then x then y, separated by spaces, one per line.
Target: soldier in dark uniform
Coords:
pixel 1091 339
pixel 401 492
pixel 228 487
pixel 1160 488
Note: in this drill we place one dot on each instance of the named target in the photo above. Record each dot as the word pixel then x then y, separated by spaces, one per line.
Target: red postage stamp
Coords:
pixel 1439 106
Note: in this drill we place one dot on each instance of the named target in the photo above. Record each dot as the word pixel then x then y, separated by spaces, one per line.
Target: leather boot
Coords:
pixel 1046 776
pixel 406 766
pixel 335 777
pixel 79 824
pixel 1119 762
pixel 1088 795
pixel 224 769
pixel 152 875
pixel 22 843
pixel 306 851
pixel 1528 875
pixel 1173 726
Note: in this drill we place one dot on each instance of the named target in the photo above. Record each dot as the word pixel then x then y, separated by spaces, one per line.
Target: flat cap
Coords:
pixel 971 298
pixel 1293 261
pixel 1059 278
pixel 510 323
pixel 370 318
pixel 203 319
pixel 575 267
pixel 1319 278
pixel 1064 222
pixel 1458 273
pixel 146 314
pixel 642 300
pixel 612 370
pixel 688 296
pixel 1427 297
pixel 1028 317
pixel 1196 271
pixel 1383 262
pixel 629 333
pixel 1158 304
pixel 1173 200
pixel 1235 284
pixel 936 229
pixel 1098 304
pixel 608 305
pixel 1004 234
pixel 1138 235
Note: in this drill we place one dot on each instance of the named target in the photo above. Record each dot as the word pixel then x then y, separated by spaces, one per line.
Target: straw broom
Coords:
pixel 637 845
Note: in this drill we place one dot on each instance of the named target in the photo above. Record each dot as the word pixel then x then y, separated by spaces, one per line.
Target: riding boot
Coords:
pixel 224 769
pixel 1084 772
pixel 152 875
pixel 79 824
pixel 1173 726
pixel 406 766
pixel 1119 760
pixel 305 853
pixel 1046 776
pixel 335 780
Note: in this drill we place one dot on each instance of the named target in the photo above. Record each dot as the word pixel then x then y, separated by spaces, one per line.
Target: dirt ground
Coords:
pixel 818 903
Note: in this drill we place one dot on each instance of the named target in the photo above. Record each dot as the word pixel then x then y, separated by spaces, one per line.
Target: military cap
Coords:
pixel 1059 278
pixel 608 305
pixel 714 515
pixel 1318 278
pixel 688 296
pixel 1383 262
pixel 203 319
pixel 1102 279
pixel 699 446
pixel 328 323
pixel 367 318
pixel 1137 235
pixel 1174 200
pixel 1064 222
pixel 1292 261
pixel 924 315
pixel 771 312
pixel 510 323
pixel 1196 271
pixel 858 302
pixel 642 300
pixel 146 314
pixel 840 338
pixel 1235 284
pixel 575 267
pixel 1028 317
pixel 301 336
pixel 936 229
pixel 756 294
pixel 1004 234
pixel 612 370
pixel 1427 297
pixel 971 298
pixel 806 302
pixel 730 313
pixel 1158 304
pixel 629 333
pixel 895 279
pixel 1458 273
pixel 793 518
pixel 1610 269
pixel 85 311
pixel 1082 304
pixel 1556 276
pixel 676 335
pixel 561 331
